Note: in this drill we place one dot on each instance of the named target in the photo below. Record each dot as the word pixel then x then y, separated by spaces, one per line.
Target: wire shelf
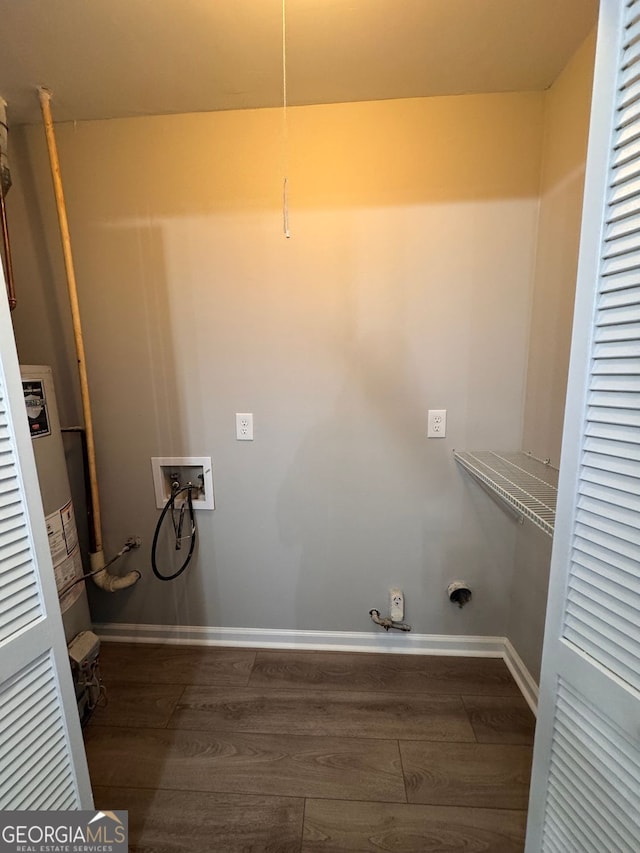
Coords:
pixel 527 485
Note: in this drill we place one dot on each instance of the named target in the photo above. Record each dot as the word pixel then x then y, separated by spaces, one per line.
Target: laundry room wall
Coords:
pixel 567 108
pixel 406 285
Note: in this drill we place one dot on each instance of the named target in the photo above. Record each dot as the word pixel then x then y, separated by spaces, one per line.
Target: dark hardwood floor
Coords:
pixel 230 750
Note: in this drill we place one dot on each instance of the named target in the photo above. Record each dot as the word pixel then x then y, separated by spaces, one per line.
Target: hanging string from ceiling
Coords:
pixel 285 126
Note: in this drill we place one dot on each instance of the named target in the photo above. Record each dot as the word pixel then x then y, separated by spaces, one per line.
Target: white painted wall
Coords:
pixel 406 285
pixel 567 108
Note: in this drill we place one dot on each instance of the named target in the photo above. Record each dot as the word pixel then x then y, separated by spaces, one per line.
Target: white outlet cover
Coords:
pixel 437 423
pixel 396 604
pixel 244 426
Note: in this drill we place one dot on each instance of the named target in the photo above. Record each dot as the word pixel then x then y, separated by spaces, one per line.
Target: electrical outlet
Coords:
pixel 396 604
pixel 244 426
pixel 437 423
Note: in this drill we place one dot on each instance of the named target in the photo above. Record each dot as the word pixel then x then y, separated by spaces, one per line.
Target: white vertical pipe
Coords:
pixel 102 578
pixel 54 162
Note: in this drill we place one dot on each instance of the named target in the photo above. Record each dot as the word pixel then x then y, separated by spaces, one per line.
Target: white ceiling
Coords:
pixel 113 58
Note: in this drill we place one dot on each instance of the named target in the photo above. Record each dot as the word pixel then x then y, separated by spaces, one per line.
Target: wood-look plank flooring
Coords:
pixel 235 750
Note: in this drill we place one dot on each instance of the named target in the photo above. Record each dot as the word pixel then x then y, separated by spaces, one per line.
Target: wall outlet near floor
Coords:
pixel 437 423
pixel 244 426
pixel 396 605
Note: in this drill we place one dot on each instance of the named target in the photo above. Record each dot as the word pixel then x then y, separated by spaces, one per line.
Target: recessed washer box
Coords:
pixel 185 469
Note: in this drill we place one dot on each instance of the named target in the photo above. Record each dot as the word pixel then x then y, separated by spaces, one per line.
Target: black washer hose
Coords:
pixel 169 506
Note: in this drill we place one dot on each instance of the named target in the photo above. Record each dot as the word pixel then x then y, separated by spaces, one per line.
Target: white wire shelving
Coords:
pixel 528 486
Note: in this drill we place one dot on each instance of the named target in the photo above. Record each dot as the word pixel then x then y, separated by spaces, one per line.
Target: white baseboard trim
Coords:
pixel 339 641
pixel 521 675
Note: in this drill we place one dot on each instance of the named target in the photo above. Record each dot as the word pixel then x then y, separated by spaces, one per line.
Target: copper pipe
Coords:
pixel 11 290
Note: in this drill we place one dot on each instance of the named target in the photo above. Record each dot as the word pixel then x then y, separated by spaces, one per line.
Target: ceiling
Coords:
pixel 116 58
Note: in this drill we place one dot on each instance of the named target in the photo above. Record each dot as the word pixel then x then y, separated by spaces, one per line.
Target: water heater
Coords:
pixel 48 449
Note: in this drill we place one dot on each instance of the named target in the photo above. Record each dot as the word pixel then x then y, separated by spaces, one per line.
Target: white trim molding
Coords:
pixel 338 641
pixel 521 675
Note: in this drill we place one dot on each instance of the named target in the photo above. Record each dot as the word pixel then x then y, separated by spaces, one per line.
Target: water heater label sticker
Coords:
pixel 65 552
pixel 67 571
pixel 62 533
pixel 57 542
pixel 37 411
pixel 69 527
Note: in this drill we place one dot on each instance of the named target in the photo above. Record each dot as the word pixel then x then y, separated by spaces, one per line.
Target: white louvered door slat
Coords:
pixel 611 403
pixel 42 761
pixel 586 781
pixel 20 601
pixel 32 731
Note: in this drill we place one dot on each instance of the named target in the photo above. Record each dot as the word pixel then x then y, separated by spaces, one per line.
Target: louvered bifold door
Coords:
pixel 586 782
pixel 42 763
pixel 20 599
pixel 603 610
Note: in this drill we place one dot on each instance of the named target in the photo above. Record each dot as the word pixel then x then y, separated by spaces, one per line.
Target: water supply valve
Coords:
pixel 172 473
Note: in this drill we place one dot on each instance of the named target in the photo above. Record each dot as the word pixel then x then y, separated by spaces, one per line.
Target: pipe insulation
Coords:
pixel 101 577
